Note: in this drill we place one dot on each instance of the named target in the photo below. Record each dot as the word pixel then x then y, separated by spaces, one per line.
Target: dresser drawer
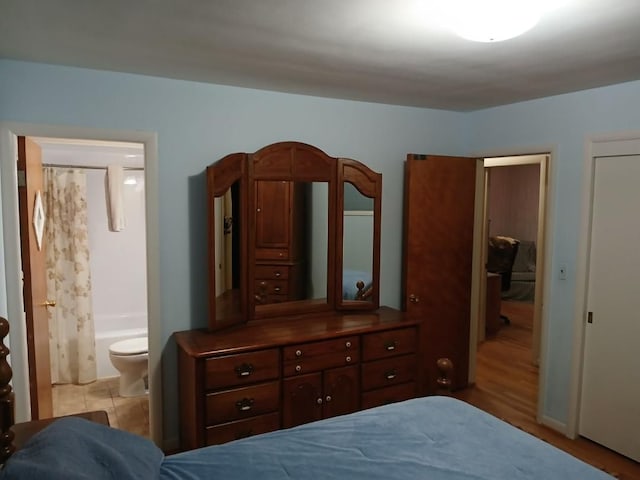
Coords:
pixel 241 369
pixel 275 299
pixel 272 272
pixel 389 343
pixel 271 287
pixel 228 432
pixel 316 356
pixel 390 371
pixel 383 396
pixel 272 253
pixel 242 402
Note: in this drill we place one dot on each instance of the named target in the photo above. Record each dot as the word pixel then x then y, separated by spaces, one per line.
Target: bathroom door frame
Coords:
pixel 11 301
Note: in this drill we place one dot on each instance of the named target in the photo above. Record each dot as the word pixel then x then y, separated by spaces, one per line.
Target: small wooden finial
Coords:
pixel 445 371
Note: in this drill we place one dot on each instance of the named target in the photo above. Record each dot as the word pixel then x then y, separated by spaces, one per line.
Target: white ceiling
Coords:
pixel 387 51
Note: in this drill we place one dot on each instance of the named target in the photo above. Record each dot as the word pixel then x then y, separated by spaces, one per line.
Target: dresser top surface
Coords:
pixel 291 330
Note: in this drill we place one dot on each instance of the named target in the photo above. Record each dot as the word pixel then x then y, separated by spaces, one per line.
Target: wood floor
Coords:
pixel 506 386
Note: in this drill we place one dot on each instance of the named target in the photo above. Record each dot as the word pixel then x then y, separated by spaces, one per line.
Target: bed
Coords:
pixel 434 437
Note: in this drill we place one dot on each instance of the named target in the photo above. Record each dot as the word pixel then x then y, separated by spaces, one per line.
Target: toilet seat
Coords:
pixel 130 346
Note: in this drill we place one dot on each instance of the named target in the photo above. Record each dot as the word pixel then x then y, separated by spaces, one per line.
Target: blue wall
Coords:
pixel 200 123
pixel 565 122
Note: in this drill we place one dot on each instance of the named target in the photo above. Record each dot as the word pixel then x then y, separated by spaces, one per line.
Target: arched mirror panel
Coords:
pixel 359 236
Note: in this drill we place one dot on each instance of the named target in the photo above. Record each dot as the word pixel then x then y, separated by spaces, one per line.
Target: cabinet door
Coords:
pixel 273 218
pixel 302 402
pixel 340 391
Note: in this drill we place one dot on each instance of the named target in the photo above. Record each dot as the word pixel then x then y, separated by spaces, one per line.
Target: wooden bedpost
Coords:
pixel 445 371
pixel 6 397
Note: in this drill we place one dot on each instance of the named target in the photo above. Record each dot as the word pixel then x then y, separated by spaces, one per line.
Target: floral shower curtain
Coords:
pixel 71 330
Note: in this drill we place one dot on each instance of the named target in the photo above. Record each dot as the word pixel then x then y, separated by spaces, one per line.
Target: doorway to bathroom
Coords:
pixel 96 273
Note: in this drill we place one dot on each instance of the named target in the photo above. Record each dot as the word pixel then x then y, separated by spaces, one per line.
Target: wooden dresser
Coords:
pixel 285 372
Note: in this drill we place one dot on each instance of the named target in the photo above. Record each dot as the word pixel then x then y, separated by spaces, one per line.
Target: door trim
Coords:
pixel 515 156
pixel 595 146
pixel 11 295
pixel 542 160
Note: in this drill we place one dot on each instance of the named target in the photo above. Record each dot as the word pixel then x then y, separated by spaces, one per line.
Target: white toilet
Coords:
pixel 131 358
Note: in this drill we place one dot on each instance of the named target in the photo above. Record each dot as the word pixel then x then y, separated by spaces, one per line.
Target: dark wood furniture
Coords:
pixel 283 345
pixel 285 372
pixel 25 430
pixel 282 250
pixel 285 242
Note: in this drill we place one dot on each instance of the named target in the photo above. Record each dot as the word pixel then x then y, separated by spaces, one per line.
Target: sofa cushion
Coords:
pixel 525 258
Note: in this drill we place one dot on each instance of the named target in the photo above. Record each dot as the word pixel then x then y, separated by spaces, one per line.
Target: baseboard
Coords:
pixel 554 424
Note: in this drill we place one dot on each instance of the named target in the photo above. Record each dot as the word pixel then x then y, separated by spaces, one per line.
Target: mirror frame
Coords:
pixel 289 161
pixel 220 177
pixel 369 184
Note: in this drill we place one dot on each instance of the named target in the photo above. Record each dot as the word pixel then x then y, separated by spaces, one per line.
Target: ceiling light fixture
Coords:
pixel 492 20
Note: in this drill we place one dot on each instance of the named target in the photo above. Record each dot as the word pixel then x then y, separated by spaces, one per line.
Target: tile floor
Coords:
pixel 131 414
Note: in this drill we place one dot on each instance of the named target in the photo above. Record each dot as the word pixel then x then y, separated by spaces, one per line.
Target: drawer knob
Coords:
pixel 277 289
pixel 245 404
pixel 328 399
pixel 390 346
pixel 277 274
pixel 348 359
pixel 347 344
pixel 298 353
pixel 319 401
pixel 391 374
pixel 298 368
pixel 244 370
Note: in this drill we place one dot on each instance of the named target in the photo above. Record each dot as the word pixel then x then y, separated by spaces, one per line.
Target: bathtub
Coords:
pixel 120 327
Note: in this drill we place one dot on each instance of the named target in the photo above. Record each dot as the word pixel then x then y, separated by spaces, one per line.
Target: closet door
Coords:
pixel 437 259
pixel 610 402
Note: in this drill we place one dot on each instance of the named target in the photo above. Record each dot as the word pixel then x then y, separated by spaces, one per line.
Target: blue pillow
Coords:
pixel 74 448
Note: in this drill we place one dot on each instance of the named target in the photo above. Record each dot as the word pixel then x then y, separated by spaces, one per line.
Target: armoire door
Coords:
pixel 610 401
pixel 437 259
pixel 273 219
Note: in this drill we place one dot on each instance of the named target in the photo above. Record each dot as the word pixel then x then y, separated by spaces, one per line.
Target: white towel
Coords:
pixel 115 200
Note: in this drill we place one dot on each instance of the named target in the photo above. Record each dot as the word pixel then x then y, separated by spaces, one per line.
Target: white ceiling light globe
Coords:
pixel 490 20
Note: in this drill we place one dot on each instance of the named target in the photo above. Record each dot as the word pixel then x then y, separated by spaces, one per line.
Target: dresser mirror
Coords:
pixel 291 242
pixel 226 191
pixel 359 235
pixel 357 246
pixel 289 230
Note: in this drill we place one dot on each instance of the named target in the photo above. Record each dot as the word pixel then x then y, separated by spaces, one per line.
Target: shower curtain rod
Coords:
pixel 88 167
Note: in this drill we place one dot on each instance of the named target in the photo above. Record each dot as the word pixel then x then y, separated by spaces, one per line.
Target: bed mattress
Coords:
pixel 425 438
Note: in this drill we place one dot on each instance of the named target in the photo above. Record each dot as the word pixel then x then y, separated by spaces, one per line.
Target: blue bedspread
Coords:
pixel 436 438
pixel 76 449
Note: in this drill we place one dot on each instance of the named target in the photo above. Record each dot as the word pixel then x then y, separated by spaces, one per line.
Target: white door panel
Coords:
pixel 610 402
